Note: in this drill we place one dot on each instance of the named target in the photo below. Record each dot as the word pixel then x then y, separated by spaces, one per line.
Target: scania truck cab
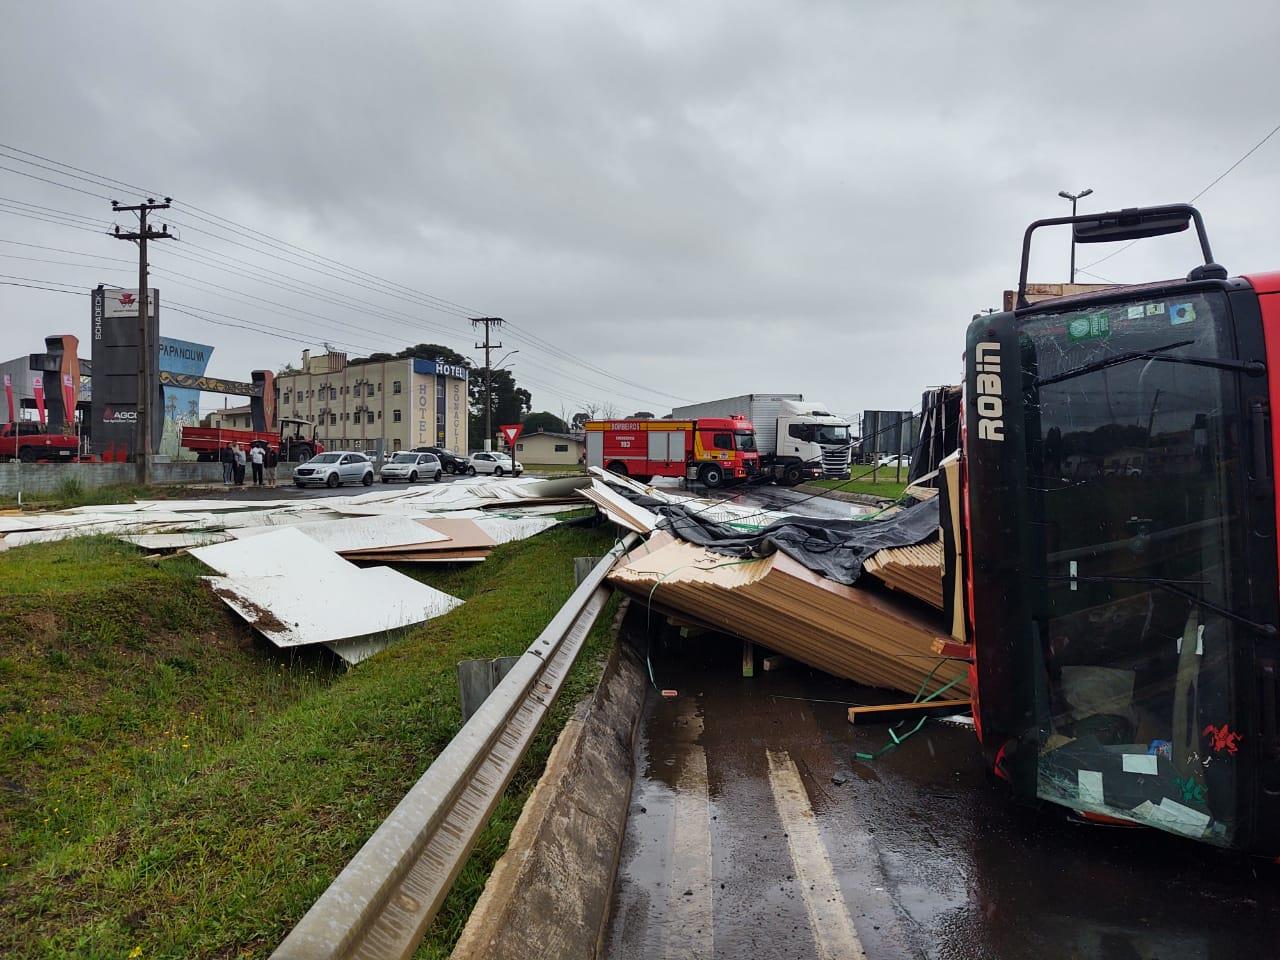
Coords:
pixel 1120 548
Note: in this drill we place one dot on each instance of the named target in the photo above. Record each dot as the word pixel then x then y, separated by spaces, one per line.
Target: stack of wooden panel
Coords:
pixel 915 570
pixel 852 632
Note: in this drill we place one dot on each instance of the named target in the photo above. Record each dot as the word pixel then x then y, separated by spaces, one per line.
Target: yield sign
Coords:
pixel 511 433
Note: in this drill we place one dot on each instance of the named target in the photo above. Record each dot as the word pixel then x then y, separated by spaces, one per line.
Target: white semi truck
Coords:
pixel 798 439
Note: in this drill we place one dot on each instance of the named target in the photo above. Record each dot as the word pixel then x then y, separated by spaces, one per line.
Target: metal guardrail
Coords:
pixel 381 903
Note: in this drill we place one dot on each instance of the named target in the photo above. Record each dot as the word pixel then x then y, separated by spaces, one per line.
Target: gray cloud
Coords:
pixel 711 198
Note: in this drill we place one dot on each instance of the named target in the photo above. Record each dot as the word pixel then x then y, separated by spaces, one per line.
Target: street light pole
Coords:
pixel 1073 197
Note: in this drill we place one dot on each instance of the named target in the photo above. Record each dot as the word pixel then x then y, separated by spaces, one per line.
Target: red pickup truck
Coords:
pixel 30 442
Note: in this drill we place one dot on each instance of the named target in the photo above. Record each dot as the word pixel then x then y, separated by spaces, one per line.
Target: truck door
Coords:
pixel 595 448
pixel 666 446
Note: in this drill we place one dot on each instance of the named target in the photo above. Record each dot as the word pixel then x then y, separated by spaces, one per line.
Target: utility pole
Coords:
pixel 142 428
pixel 1074 198
pixel 488 346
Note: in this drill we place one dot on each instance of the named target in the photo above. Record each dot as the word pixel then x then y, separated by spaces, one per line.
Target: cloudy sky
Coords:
pixel 702 199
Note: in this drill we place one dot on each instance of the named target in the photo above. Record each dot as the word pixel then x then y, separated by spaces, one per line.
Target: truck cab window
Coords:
pixel 800 431
pixel 722 441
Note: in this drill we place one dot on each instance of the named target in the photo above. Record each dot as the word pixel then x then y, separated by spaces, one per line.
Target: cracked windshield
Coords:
pixel 1131 464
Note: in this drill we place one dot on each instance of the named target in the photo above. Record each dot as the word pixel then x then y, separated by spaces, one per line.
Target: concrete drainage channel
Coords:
pixel 553 886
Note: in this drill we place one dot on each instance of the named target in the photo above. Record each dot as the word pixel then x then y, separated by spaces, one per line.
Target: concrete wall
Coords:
pixel 34 478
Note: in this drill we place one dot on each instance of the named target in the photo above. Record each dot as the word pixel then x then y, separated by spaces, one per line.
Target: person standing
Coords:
pixel 270 463
pixel 239 455
pixel 257 456
pixel 228 463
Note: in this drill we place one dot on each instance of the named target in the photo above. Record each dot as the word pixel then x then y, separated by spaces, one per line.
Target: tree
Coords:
pixel 510 403
pixel 535 422
pixel 434 351
pixel 595 411
pixel 642 415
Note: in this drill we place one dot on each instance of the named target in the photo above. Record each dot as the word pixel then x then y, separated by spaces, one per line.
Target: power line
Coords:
pixel 59 223
pixel 276 246
pixel 1216 180
pixel 54 211
pixel 37 246
pixel 67 186
pixel 1212 183
pixel 345 302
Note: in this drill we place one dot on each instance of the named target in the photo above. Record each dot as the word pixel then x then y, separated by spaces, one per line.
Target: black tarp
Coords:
pixel 835 549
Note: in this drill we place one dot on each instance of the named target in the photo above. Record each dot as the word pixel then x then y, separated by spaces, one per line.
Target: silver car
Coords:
pixel 334 468
pixel 494 463
pixel 412 467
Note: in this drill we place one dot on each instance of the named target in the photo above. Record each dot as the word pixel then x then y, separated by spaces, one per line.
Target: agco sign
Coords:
pixel 112 415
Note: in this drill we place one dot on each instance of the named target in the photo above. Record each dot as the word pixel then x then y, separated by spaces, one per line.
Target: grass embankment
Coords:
pixel 70 492
pixel 886 488
pixel 555 469
pixel 172 784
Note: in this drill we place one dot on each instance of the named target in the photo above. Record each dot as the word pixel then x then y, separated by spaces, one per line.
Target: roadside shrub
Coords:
pixel 70 491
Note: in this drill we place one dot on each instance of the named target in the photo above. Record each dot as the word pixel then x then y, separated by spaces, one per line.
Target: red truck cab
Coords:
pixel 29 442
pixel 711 450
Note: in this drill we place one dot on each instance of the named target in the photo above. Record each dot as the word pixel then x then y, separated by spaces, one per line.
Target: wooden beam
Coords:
pixel 950 648
pixel 884 712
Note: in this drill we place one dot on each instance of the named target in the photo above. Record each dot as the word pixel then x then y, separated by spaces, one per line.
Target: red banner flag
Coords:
pixel 8 395
pixel 37 387
pixel 68 403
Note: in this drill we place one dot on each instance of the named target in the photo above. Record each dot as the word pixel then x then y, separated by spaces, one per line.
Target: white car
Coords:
pixel 497 464
pixel 335 468
pixel 411 467
pixel 893 462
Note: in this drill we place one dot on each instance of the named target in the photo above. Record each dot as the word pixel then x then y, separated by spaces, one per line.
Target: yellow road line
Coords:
pixel 689 887
pixel 833 930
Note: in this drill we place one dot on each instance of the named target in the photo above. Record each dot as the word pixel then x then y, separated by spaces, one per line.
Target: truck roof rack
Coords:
pixel 1132 223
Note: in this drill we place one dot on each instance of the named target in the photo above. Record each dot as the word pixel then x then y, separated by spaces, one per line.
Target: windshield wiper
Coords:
pixel 1174 587
pixel 1252 368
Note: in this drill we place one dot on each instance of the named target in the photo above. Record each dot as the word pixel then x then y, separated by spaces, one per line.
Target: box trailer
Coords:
pixel 798 439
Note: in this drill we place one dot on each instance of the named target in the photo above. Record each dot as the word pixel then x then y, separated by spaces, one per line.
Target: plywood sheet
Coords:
pixel 507 529
pixel 357 533
pixel 163 542
pixel 619 509
pixel 308 607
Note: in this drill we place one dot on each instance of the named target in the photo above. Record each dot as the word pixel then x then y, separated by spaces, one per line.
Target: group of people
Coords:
pixel 259 456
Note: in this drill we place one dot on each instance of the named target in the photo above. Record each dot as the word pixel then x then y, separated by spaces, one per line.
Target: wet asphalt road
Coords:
pixel 740 842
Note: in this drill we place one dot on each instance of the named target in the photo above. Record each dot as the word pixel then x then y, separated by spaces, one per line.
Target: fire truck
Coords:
pixel 712 450
pixel 1119 545
pixel 296 441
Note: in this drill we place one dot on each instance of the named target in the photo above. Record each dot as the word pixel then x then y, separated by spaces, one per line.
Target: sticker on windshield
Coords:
pixel 1155 309
pixel 1182 313
pixel 1137 313
pixel 1089 328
